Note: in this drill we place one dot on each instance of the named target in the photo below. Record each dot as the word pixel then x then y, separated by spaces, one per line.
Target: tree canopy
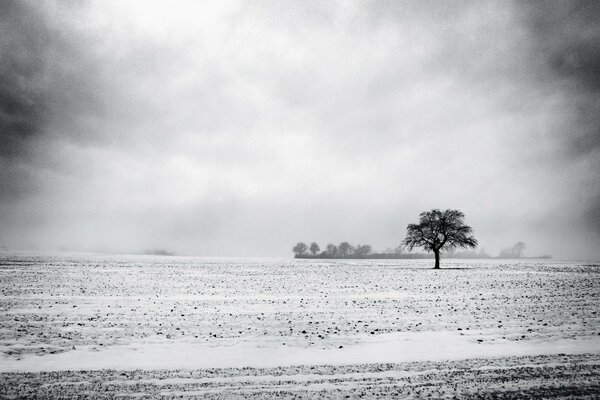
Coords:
pixel 314 248
pixel 300 248
pixel 513 252
pixel 345 249
pixel 440 230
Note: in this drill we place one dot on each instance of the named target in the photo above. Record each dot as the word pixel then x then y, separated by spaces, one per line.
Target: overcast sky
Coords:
pixel 240 128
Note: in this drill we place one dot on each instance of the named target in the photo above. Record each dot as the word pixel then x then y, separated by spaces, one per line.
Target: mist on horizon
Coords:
pixel 240 128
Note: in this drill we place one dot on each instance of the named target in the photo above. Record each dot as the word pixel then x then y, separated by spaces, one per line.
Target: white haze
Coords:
pixel 240 128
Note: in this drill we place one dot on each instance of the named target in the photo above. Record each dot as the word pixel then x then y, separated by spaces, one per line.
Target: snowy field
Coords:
pixel 164 327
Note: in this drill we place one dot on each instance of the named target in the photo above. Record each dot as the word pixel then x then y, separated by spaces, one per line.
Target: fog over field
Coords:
pixel 299 199
pixel 239 128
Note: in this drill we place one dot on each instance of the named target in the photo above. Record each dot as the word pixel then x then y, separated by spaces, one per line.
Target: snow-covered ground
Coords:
pixel 94 312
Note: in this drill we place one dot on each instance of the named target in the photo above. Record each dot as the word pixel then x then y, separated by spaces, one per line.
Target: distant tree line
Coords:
pixel 159 252
pixel 343 250
pixel 347 250
pixel 513 252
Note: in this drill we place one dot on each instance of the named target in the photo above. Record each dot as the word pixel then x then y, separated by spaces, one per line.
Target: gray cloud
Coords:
pixel 23 104
pixel 565 37
pixel 47 90
pixel 241 128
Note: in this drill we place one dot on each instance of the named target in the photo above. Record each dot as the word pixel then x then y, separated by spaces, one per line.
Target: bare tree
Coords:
pixel 300 249
pixel 345 249
pixel 440 230
pixel 314 248
pixel 362 250
pixel 518 249
pixel 513 252
pixel 331 250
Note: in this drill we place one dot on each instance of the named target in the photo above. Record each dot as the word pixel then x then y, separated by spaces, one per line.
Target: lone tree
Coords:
pixel 314 248
pixel 300 249
pixel 440 230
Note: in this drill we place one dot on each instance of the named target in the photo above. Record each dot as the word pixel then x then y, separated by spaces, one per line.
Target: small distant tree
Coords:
pixel 345 249
pixel 362 250
pixel 300 249
pixel 518 249
pixel 513 252
pixel 331 250
pixel 400 249
pixel 505 253
pixel 440 230
pixel 314 248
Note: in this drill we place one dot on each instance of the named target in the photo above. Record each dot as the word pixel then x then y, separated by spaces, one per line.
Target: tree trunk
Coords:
pixel 437 259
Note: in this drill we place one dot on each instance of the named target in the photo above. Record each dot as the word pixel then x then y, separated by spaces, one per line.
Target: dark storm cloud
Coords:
pixel 24 39
pixel 48 90
pixel 566 38
pixel 24 99
pixel 580 61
